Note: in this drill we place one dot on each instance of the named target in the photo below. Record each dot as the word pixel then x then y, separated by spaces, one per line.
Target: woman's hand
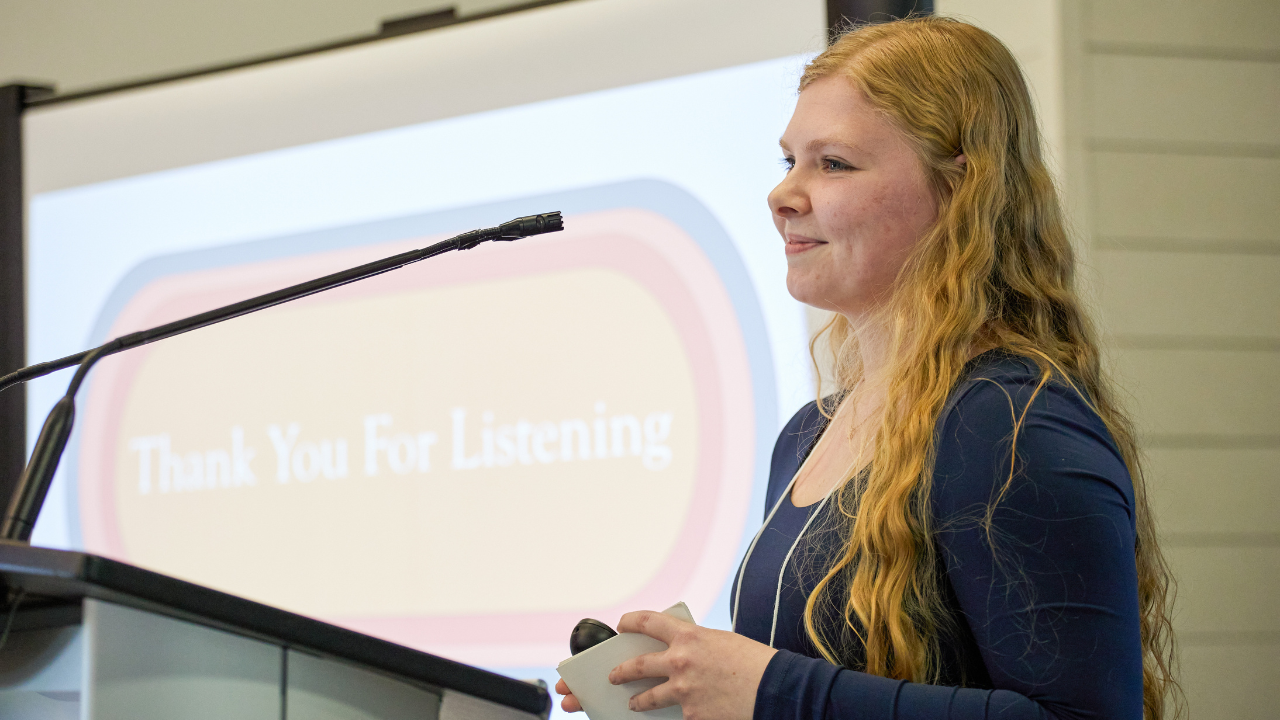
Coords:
pixel 712 674
pixel 569 703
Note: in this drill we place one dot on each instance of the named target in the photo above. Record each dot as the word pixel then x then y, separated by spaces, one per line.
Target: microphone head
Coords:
pixel 531 225
pixel 587 634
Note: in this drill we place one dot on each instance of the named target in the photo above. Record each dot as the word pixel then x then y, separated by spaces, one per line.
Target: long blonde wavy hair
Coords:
pixel 994 271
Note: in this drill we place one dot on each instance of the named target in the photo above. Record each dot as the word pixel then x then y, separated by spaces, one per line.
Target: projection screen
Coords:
pixel 470 454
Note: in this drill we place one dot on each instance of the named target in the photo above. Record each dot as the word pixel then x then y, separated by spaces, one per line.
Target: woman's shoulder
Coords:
pixel 1002 379
pixel 1005 410
pixel 1001 365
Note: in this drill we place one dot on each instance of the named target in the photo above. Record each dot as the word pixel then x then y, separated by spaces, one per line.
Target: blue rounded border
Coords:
pixel 658 196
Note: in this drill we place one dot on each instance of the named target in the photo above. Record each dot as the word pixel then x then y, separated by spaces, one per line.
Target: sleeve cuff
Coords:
pixel 796 687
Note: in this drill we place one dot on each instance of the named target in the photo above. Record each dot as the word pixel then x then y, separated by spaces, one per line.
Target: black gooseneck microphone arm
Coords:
pixel 29 496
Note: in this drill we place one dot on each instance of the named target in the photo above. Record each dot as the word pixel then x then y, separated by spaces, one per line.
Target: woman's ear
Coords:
pixel 961 160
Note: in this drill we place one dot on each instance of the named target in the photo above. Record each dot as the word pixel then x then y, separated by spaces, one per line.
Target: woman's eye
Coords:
pixel 787 163
pixel 832 164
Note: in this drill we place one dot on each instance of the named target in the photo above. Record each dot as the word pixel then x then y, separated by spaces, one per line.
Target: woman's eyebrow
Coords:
pixel 819 144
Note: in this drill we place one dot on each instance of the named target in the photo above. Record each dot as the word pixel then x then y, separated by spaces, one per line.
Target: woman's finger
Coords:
pixel 656 625
pixel 642 666
pixel 570 704
pixel 656 697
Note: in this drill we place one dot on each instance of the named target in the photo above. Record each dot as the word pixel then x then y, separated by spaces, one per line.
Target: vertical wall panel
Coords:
pixel 1182 125
pixel 1216 491
pixel 1186 293
pixel 1188 25
pixel 13 405
pixel 1227 590
pixel 1231 681
pixel 1187 197
pixel 1184 99
pixel 1204 392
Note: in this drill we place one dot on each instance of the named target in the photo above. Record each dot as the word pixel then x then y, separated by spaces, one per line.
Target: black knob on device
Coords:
pixel 587 634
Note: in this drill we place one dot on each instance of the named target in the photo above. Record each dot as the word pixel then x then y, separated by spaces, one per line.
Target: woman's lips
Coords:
pixel 797 244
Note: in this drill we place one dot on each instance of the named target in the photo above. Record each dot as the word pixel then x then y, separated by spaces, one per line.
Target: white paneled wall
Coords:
pixel 1179 115
pixel 1199 103
pixel 1230 28
pixel 1234 679
pixel 1146 295
pixel 1189 506
pixel 1201 202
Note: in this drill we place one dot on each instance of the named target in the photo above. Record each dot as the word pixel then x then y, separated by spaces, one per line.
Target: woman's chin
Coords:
pixel 813 299
pixel 808 289
pixel 800 292
pixel 820 301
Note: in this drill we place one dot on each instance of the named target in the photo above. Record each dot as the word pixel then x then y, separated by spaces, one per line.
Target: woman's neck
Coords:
pixel 872 343
pixel 873 351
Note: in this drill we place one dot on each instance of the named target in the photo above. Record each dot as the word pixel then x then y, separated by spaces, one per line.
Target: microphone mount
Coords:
pixel 24 507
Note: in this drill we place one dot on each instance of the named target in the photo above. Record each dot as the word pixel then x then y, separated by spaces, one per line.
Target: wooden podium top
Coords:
pixel 54 582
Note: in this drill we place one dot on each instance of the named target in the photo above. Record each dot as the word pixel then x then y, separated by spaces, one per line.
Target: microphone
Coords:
pixel 33 486
pixel 512 230
pixel 508 231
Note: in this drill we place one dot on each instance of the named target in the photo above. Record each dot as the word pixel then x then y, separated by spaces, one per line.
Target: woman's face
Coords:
pixel 853 204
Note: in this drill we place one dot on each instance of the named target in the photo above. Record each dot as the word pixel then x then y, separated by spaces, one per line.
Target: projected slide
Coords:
pixel 470 454
pixel 440 432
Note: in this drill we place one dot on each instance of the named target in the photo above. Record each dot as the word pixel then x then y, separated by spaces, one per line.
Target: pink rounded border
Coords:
pixel 639 244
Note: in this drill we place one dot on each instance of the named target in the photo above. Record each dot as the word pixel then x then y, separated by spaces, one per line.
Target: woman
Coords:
pixel 961 531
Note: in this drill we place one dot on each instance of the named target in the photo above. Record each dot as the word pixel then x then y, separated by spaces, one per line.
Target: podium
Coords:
pixel 94 639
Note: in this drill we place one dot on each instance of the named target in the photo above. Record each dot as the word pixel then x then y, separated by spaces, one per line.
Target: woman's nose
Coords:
pixel 788 199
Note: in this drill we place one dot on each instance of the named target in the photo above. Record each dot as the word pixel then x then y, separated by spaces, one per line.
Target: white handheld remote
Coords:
pixel 587 675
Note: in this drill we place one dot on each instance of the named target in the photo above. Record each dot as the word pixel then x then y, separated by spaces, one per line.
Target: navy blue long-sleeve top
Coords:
pixel 1043 610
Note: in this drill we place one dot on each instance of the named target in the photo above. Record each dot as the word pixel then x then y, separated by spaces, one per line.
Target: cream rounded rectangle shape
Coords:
pixel 587 674
pixel 440 432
